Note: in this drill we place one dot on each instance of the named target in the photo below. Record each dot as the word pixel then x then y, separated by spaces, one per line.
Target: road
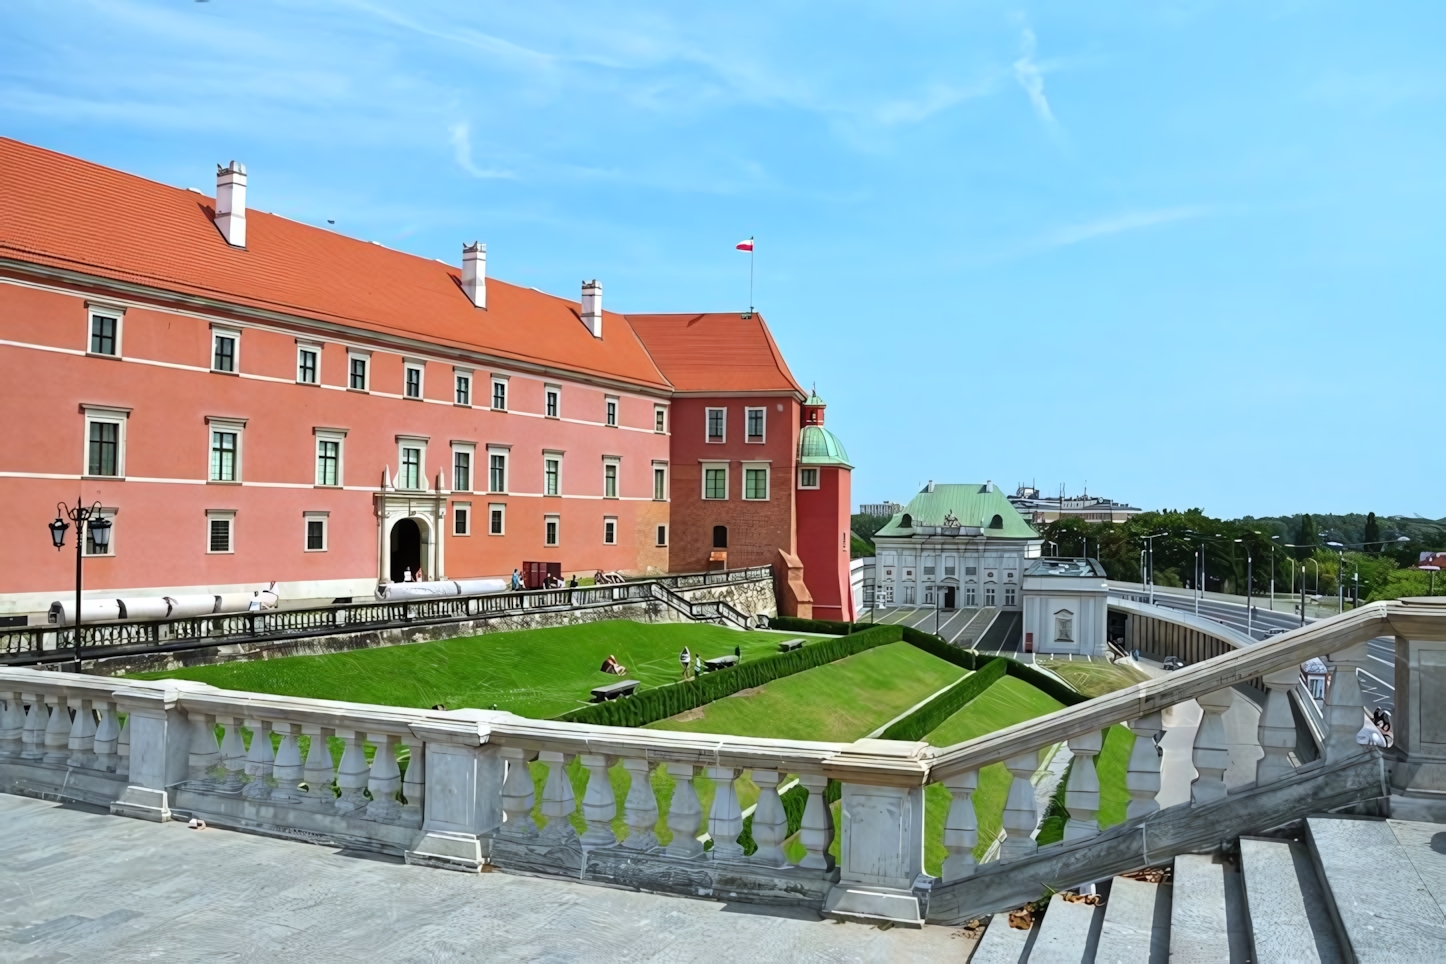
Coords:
pixel 960 627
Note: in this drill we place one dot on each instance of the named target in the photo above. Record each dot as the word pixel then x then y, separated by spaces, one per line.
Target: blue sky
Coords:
pixel 1185 252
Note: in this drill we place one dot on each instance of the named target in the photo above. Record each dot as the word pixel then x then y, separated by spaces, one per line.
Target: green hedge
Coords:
pixel 1045 684
pixel 649 706
pixel 927 718
pixel 792 624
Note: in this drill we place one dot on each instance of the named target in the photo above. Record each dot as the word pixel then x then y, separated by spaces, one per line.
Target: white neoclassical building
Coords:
pixel 1066 607
pixel 954 546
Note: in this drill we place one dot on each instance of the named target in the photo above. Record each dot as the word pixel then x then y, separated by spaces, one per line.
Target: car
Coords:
pixel 1171 662
pixel 1275 632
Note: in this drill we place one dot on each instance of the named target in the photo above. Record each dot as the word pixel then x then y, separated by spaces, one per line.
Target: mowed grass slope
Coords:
pixel 537 673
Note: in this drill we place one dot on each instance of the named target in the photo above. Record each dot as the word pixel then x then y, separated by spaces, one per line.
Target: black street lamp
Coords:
pixel 99 527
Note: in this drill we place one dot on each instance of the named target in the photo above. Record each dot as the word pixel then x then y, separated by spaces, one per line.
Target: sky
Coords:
pixel 1180 252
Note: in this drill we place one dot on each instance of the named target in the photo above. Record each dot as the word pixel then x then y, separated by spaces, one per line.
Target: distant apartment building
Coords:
pixel 1091 508
pixel 880 508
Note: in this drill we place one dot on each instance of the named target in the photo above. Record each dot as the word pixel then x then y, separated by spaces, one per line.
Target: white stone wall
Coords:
pixel 909 571
pixel 1087 606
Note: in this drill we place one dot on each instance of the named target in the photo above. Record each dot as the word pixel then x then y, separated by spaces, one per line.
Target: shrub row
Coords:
pixel 932 714
pixel 1045 684
pixel 649 706
pixel 792 624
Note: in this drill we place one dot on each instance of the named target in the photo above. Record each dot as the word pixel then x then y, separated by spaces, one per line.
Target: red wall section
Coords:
pixel 823 543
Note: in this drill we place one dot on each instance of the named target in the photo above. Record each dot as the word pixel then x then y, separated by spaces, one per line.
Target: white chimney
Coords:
pixel 592 307
pixel 231 203
pixel 474 272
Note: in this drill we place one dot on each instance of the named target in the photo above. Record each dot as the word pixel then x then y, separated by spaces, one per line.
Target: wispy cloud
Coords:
pixel 1118 224
pixel 1027 71
pixel 461 134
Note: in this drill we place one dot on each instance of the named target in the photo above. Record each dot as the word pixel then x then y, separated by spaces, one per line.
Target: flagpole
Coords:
pixel 750 277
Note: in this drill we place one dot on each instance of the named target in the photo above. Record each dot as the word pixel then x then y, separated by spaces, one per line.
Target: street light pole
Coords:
pixel 1302 594
pixel 99 527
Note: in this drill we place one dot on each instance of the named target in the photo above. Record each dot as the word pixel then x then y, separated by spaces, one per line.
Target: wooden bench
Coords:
pixel 789 645
pixel 612 691
pixel 720 662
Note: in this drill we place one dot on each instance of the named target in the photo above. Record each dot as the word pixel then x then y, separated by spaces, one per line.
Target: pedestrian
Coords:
pixel 407 574
pixel 686 659
pixel 572 584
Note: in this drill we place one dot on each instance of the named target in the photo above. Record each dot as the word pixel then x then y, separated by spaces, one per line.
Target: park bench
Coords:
pixel 611 691
pixel 720 662
pixel 789 645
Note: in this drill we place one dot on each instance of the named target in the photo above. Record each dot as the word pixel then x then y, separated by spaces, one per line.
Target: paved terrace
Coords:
pixel 78 884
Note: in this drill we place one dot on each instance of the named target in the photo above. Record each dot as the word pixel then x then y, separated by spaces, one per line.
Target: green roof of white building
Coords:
pixel 971 505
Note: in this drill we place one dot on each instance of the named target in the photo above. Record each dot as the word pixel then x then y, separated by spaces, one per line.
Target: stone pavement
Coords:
pixel 77 884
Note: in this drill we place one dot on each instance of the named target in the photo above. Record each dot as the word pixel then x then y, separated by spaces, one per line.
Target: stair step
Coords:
pixel 1198 922
pixel 1001 944
pixel 1385 907
pixel 1289 917
pixel 1137 923
pixel 1064 936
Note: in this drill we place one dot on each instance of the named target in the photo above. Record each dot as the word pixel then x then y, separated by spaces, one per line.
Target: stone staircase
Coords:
pixel 1349 889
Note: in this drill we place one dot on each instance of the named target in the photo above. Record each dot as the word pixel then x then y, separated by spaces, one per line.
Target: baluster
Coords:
pixel 12 726
pixel 518 793
pixel 685 815
pixel 1142 777
pixel 205 755
pixel 352 773
pixel 123 749
pixel 32 737
pixel 640 807
pixel 1277 728
pixel 385 780
pixel 961 828
pixel 1211 755
pixel 57 733
pixel 725 819
pixel 816 828
pixel 259 761
pixel 1020 814
pixel 414 783
pixel 317 770
pixel 599 803
pixel 107 736
pixel 233 754
pixel 558 803
pixel 1082 793
pixel 82 735
pixel 770 821
pixel 287 770
pixel 1344 707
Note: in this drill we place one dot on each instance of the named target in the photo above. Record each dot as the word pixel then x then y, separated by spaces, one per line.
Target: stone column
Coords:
pixel 961 828
pixel 599 804
pixel 1344 706
pixel 107 738
pixel 159 737
pixel 12 726
pixel 1021 816
pixel 640 807
pixel 1082 793
pixel 287 769
pixel 352 773
pixel 259 761
pixel 558 801
pixel 519 793
pixel 1277 727
pixel 1211 755
pixel 384 780
pixel 57 731
pixel 233 754
pixel 32 734
pixel 770 821
pixel 414 781
pixel 685 815
pixel 881 852
pixel 81 742
pixel 1142 776
pixel 123 748
pixel 318 771
pixel 205 756
pixel 816 830
pixel 725 818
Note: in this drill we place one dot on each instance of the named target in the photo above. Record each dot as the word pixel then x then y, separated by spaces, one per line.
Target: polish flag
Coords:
pixel 746 245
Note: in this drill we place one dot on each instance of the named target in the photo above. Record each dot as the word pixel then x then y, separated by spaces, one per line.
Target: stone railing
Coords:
pixel 490 788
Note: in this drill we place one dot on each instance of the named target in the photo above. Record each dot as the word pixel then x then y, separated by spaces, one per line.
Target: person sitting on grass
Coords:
pixel 611 665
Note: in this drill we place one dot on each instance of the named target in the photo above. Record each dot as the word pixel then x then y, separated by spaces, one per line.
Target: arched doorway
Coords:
pixel 406 548
pixel 720 537
pixel 949 597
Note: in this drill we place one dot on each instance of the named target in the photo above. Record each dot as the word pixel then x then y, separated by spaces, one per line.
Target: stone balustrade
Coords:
pixel 468 788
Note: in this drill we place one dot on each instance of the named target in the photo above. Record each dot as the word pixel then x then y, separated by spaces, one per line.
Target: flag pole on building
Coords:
pixel 747 245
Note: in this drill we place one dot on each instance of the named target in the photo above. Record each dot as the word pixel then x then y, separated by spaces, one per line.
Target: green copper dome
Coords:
pixel 818 446
pixel 813 400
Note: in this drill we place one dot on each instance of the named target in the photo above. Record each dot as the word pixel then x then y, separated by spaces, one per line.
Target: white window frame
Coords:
pixel 108 513
pixel 307 519
pixel 229 517
pixel 365 357
pixel 803 477
pixel 497 507
pixel 660 419
pixel 708 420
pixel 554 393
pixel 762 411
pixel 1010 598
pixel 1064 618
pixel 551 455
pixel 413 442
pixel 314 349
pixel 410 365
pixel 470 450
pixel 610 520
pixel 767 481
pixel 704 491
pixel 555 520
pixel 506 452
pixel 337 435
pixel 610 411
pixel 236 426
pixel 616 461
pixel 459 377
pixel 465 508
pixel 107 414
pixel 117 315
pixel 492 399
pixel 661 535
pixel 663 468
pixel 234 334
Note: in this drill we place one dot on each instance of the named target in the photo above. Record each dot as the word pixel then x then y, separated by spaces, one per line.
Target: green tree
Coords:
pixel 1372 535
pixel 1306 534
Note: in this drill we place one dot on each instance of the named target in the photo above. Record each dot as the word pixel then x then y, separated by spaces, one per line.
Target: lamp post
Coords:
pixel 1150 541
pixel 1272 572
pixel 1340 575
pixel 1249 578
pixel 1432 570
pixel 99 526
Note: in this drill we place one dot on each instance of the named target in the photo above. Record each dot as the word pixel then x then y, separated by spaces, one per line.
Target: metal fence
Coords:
pixel 35 644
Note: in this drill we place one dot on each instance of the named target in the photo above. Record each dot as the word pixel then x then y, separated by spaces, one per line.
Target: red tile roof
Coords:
pixel 63 212
pixel 715 352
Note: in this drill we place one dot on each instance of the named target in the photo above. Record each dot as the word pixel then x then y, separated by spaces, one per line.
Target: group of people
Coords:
pixel 549 581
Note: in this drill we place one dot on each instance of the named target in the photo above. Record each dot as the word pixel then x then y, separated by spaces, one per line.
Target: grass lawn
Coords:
pixel 1094 678
pixel 537 673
